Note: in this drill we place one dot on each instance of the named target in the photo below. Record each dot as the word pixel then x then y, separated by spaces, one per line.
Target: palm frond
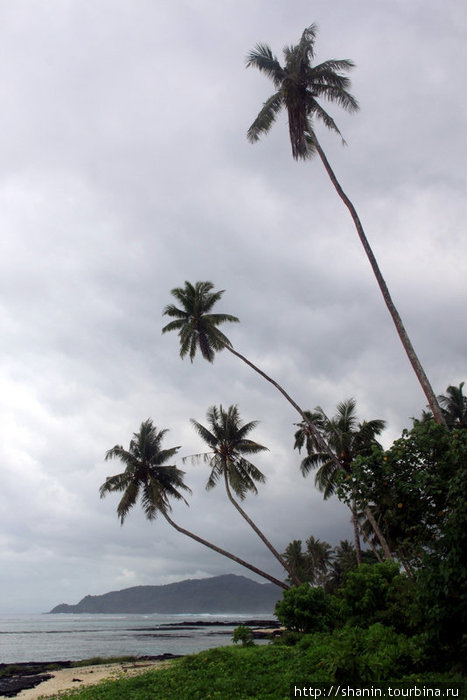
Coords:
pixel 266 117
pixel 197 458
pixel 317 111
pixel 205 434
pixel 249 447
pixel 215 475
pixel 128 500
pixel 311 462
pixel 326 478
pixel 262 58
pixel 115 483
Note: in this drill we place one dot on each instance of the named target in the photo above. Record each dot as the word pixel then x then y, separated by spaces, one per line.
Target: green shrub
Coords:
pixel 244 635
pixel 374 654
pixel 307 609
pixel 366 593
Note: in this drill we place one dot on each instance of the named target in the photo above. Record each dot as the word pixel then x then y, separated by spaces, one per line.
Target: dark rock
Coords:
pixel 9 687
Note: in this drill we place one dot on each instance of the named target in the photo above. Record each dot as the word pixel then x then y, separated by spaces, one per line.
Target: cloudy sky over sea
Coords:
pixel 124 171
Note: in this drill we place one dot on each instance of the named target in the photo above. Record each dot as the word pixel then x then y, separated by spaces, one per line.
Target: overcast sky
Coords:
pixel 125 171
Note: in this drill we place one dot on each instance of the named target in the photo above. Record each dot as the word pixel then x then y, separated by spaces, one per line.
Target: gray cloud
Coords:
pixel 125 170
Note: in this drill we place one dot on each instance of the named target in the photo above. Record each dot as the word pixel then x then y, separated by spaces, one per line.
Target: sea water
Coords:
pixel 67 637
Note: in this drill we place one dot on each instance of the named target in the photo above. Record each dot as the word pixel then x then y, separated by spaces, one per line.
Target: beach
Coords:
pixel 79 676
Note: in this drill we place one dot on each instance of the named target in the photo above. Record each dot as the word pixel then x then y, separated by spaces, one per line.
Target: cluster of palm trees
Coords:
pixel 149 479
pixel 148 476
pixel 347 438
pixel 331 443
pixel 323 565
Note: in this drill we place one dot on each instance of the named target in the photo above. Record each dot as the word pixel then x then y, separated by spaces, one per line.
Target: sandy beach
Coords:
pixel 71 678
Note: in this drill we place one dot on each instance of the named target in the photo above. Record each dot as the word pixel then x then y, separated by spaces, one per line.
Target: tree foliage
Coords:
pixel 409 486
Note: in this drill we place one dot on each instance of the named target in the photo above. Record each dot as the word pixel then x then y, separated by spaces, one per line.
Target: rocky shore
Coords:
pixel 15 678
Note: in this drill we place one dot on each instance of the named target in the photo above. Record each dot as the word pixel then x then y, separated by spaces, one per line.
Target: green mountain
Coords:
pixel 219 594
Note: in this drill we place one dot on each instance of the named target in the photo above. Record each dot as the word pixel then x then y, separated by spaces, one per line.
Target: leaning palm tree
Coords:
pixel 347 438
pixel 299 84
pixel 229 442
pixel 198 329
pixel 147 477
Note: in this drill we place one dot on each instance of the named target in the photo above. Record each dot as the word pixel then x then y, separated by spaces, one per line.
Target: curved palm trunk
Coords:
pixel 356 533
pixel 260 534
pixel 376 530
pixel 408 347
pixel 224 553
pixel 318 437
pixel 316 434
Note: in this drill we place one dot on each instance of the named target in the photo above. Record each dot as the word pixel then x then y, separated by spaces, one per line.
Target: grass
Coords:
pixel 229 673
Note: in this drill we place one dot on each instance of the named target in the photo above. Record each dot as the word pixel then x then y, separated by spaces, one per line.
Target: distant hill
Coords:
pixel 219 594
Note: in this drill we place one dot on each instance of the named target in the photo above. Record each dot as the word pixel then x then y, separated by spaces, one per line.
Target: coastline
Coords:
pixel 56 681
pixel 31 680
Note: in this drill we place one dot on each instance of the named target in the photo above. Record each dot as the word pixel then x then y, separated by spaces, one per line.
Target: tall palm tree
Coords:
pixel 347 438
pixel 454 406
pixel 148 478
pixel 198 330
pixel 299 84
pixel 228 441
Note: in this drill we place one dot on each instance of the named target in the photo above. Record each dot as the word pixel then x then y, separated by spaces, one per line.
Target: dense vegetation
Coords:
pixel 254 673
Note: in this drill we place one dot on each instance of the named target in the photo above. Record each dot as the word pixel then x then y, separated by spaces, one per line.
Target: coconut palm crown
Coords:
pixel 299 86
pixel 454 406
pixel 346 436
pixel 228 440
pixel 146 475
pixel 197 327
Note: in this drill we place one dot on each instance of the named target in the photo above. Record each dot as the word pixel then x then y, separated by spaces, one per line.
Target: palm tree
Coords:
pixel 454 406
pixel 198 330
pixel 343 562
pixel 148 478
pixel 347 438
pixel 297 560
pixel 320 555
pixel 298 86
pixel 228 441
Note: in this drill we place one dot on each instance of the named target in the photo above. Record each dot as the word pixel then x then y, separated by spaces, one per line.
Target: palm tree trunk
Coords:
pixel 260 534
pixel 372 546
pixel 409 349
pixel 224 553
pixel 316 434
pixel 378 533
pixel 405 563
pixel 356 533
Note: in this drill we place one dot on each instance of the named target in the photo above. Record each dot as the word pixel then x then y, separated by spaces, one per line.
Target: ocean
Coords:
pixel 66 637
